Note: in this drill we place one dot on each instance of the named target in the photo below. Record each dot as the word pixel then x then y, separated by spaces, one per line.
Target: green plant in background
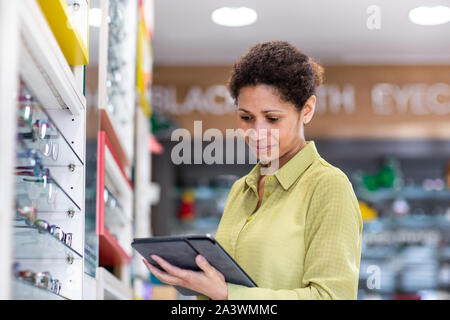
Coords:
pixel 388 176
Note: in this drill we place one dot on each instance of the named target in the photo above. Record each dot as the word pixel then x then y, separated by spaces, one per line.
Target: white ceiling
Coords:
pixel 332 31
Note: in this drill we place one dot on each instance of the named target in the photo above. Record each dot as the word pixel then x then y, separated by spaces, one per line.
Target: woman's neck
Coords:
pixel 288 155
pixel 291 153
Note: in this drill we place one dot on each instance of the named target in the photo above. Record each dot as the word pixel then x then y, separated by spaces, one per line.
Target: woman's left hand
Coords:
pixel 210 282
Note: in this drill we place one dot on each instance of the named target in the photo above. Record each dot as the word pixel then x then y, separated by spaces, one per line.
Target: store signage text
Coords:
pixel 386 99
pixel 417 99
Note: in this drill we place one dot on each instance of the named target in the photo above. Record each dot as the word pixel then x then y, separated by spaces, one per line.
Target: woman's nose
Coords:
pixel 259 133
pixel 261 128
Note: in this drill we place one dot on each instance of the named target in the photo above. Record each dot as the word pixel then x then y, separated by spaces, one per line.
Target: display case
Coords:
pixel 114 208
pixel 68 149
pixel 9 51
pixel 46 109
pixel 119 105
pixel 112 172
pixel 111 88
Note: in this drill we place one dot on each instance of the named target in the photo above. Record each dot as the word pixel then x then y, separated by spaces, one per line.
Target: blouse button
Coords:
pixel 267 194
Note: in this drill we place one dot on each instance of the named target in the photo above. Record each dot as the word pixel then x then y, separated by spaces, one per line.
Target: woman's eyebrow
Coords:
pixel 272 110
pixel 264 111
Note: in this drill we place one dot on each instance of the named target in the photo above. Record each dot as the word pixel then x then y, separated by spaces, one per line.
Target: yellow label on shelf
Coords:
pixel 143 66
pixel 58 17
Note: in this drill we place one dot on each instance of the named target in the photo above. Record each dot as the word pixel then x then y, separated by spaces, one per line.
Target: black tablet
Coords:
pixel 182 250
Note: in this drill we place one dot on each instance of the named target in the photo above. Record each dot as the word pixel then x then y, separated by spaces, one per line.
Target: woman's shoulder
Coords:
pixel 325 174
pixel 238 185
pixel 333 190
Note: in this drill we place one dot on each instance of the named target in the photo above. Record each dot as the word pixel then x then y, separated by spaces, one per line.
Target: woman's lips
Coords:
pixel 263 149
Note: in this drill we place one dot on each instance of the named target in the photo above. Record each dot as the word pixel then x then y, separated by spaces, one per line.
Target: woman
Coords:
pixel 296 232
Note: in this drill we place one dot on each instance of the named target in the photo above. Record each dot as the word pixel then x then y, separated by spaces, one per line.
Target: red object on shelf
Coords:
pixel 154 145
pixel 187 205
pixel 407 296
pixel 110 251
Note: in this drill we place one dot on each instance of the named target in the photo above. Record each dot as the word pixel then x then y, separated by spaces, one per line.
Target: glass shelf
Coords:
pixel 30 243
pixel 114 212
pixel 65 156
pixel 37 131
pixel 115 217
pixel 23 290
pixel 49 197
pixel 409 193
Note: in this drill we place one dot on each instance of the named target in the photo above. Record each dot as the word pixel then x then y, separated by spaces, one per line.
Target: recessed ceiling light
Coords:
pixel 95 17
pixel 430 16
pixel 234 16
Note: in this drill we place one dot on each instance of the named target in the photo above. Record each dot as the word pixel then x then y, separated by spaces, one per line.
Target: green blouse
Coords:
pixel 304 241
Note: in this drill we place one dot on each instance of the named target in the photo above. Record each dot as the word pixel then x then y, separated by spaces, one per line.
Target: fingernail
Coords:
pixel 200 258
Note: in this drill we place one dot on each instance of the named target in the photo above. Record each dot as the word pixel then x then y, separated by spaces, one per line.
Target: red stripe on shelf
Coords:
pixel 111 252
pixel 100 205
pixel 116 158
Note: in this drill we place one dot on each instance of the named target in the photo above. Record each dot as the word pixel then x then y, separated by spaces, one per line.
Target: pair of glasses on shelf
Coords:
pixel 117 34
pixel 115 66
pixel 116 50
pixel 110 200
pixel 34 125
pixel 28 157
pixel 115 101
pixel 54 230
pixel 114 78
pixel 114 91
pixel 116 14
pixel 34 173
pixel 42 138
pixel 34 179
pixel 116 98
pixel 27 213
pixel 39 279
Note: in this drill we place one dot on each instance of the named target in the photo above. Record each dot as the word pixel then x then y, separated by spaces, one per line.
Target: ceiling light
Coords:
pixel 430 16
pixel 234 16
pixel 95 17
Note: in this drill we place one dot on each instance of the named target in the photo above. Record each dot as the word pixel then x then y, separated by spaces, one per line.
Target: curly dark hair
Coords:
pixel 281 65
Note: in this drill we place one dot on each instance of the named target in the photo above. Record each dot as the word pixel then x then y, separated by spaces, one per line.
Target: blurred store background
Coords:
pixel 101 85
pixel 383 117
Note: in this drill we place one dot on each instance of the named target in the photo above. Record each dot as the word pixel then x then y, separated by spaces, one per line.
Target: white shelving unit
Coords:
pixel 117 121
pixel 110 288
pixel 32 56
pixel 9 44
pixel 146 192
pixel 30 52
pixel 143 199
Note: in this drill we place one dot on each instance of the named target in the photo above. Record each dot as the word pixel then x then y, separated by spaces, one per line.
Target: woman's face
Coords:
pixel 273 127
